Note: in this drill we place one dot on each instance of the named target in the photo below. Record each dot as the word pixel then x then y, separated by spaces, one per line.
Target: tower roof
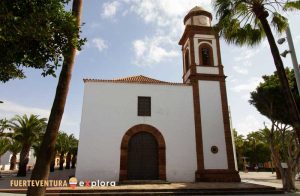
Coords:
pixel 197 10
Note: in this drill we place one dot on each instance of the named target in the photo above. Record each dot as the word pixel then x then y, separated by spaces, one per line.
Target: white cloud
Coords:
pixel 243 67
pixel 139 47
pixel 249 86
pixel 248 124
pixel 99 43
pixel 153 50
pixel 231 79
pixel 9 109
pixel 240 70
pixel 110 9
pixel 246 54
pixel 166 18
pixel 165 12
pixel 297 39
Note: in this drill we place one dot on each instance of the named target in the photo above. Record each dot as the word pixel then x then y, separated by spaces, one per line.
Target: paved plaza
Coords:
pixel 264 178
pixel 250 180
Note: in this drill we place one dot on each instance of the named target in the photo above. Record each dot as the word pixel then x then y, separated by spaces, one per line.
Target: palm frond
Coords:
pixel 15 146
pixel 4 145
pixel 28 129
pixel 279 22
pixel 292 5
pixel 239 21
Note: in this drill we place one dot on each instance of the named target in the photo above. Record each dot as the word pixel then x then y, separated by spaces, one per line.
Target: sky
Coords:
pixel 140 37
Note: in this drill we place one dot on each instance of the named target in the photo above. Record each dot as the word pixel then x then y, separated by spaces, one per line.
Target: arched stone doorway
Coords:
pixel 149 136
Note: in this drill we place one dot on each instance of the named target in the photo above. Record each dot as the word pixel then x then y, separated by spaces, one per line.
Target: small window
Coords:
pixel 144 106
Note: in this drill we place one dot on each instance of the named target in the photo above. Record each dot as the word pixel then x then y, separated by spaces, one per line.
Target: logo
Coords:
pixel 73 182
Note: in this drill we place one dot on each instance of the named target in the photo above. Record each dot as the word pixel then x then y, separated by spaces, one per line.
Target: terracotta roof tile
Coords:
pixel 140 79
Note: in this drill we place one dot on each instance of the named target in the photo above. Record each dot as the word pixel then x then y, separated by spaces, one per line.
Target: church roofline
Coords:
pixel 140 79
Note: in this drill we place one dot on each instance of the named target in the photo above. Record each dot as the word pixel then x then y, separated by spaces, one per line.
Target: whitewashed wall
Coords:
pixel 5 160
pixel 110 109
pixel 212 125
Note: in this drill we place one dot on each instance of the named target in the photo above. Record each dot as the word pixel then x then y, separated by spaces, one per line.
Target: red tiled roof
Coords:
pixel 134 79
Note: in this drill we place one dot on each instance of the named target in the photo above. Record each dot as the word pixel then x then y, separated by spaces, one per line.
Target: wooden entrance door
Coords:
pixel 143 157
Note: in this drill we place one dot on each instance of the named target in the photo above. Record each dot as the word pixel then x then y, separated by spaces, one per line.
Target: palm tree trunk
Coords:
pixel 68 160
pixel 41 169
pixel 13 161
pixel 61 161
pixel 24 159
pixel 52 164
pixel 290 101
pixel 74 159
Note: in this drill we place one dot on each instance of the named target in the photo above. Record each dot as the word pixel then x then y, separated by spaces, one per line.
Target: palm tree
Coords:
pixel 62 146
pixel 73 143
pixel 14 147
pixel 41 169
pixel 27 130
pixel 245 22
pixel 74 157
pixel 4 144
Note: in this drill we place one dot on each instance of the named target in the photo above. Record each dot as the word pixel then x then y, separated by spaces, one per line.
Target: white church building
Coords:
pixel 139 128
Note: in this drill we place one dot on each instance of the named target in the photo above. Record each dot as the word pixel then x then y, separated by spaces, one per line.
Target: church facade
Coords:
pixel 139 128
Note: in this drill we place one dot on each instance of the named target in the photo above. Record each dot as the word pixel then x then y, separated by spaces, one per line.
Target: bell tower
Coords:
pixel 203 70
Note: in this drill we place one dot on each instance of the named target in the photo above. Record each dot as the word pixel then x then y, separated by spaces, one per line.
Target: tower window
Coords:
pixel 144 106
pixel 186 60
pixel 205 54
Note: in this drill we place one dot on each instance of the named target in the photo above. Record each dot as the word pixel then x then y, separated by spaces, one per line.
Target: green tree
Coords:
pixel 72 150
pixel 285 148
pixel 245 22
pixel 41 169
pixel 27 130
pixel 268 98
pixel 254 147
pixel 239 148
pixel 4 144
pixel 257 148
pixel 62 146
pixel 74 155
pixel 269 101
pixel 34 34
